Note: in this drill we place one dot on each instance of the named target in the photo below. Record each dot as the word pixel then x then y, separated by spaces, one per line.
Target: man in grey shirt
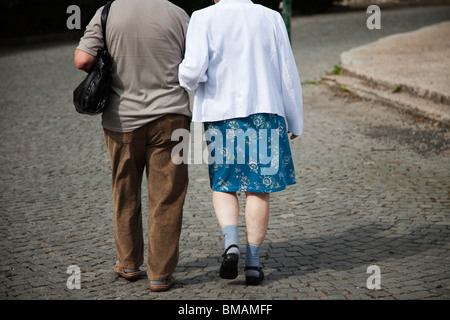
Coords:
pixel 146 40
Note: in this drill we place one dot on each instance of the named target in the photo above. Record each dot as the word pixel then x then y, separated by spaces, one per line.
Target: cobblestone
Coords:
pixel 367 194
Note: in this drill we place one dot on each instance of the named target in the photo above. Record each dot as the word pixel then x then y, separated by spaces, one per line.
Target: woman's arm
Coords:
pixel 291 85
pixel 192 70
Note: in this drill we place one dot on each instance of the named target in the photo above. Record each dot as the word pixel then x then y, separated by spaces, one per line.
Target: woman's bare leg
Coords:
pixel 226 206
pixel 257 217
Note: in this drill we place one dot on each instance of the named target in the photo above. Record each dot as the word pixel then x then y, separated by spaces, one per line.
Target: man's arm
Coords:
pixel 83 60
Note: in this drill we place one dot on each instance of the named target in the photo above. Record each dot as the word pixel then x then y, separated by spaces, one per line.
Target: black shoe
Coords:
pixel 228 269
pixel 254 281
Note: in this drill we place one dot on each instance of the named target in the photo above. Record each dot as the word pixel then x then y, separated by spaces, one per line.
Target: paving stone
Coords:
pixel 366 195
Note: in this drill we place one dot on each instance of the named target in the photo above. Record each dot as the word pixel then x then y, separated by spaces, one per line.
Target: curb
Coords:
pixel 397 71
pixel 399 96
pixel 431 95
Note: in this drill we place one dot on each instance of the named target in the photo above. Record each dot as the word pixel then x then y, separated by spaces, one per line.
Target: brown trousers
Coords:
pixel 148 147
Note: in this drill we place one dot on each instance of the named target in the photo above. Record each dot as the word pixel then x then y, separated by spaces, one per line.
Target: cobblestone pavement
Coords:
pixel 373 190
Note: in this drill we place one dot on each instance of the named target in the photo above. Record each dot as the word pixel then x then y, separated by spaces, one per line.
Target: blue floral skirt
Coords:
pixel 249 154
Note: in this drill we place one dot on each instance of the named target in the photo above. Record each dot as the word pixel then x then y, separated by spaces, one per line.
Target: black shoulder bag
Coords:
pixel 92 94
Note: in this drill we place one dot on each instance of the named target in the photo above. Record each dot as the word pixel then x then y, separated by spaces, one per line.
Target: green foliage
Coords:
pixel 337 70
pixel 397 88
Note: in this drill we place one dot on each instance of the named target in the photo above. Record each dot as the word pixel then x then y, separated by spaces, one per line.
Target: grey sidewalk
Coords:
pixel 410 71
pixel 373 190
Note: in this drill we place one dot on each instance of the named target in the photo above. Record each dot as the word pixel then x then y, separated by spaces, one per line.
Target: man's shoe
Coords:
pixel 162 287
pixel 254 280
pixel 228 269
pixel 133 275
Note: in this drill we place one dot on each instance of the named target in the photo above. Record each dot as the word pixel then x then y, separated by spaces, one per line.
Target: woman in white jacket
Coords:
pixel 240 63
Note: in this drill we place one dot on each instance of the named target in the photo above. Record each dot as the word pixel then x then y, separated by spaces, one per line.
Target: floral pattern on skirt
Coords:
pixel 249 154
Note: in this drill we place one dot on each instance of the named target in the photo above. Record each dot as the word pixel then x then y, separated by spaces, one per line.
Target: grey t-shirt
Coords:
pixel 146 40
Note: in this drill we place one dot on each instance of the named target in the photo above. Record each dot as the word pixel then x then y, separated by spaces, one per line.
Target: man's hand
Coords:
pixel 83 60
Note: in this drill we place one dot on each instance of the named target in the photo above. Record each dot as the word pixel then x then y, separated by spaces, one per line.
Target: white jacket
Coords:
pixel 239 60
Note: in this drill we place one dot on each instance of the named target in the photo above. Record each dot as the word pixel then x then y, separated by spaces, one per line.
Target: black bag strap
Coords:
pixel 105 13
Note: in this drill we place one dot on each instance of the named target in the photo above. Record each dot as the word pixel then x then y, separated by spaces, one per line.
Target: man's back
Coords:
pixel 146 40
